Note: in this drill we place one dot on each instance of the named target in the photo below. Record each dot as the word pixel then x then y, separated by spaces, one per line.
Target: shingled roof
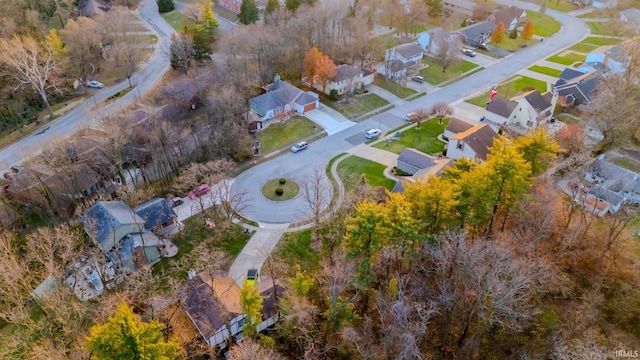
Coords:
pixel 479 138
pixel 502 106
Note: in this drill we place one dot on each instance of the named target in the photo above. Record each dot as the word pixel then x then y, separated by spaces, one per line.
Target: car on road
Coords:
pixel 176 202
pixel 410 116
pixel 373 133
pixel 482 46
pixel 302 145
pixel 418 79
pixel 95 84
pixel 199 191
pixel 469 52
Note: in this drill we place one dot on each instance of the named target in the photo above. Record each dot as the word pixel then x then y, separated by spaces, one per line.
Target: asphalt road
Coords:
pixel 299 166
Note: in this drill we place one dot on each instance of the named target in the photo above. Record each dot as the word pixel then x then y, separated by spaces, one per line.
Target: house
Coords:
pixel 606 59
pixel 183 92
pixel 213 306
pixel 462 7
pixel 611 186
pixel 631 16
pixel 347 79
pixel 399 59
pixel 473 143
pixel 92 8
pixel 456 126
pixel 533 109
pixel 477 33
pixel 428 40
pixel 234 5
pixel 282 98
pixel 573 90
pixel 411 161
pixel 158 216
pixel 500 111
pixel 510 17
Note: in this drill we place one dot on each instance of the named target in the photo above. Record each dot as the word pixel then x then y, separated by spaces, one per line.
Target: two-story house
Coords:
pixel 473 143
pixel 509 17
pixel 574 88
pixel 347 79
pixel 400 58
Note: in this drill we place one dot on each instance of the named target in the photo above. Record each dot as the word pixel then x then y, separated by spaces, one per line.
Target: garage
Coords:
pixel 310 107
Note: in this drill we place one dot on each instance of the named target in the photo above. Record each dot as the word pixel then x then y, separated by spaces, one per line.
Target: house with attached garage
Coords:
pixel 509 17
pixel 574 88
pixel 473 143
pixel 429 40
pixel 611 186
pixel 347 79
pixel 476 34
pixel 399 59
pixel 455 126
pixel 419 165
pixel 281 99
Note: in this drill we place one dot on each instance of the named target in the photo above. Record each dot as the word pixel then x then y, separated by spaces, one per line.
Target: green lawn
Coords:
pixel 567 119
pixel 393 87
pixel 358 105
pixel 423 139
pixel 175 19
pixel 278 135
pixel 560 5
pixel 294 248
pixel 583 48
pixel 627 163
pixel 600 41
pixel 599 28
pixel 546 70
pixel 290 189
pixel 351 169
pixel 510 88
pixel 543 25
pixel 433 72
pixel 589 15
pixel 567 58
pixel 514 44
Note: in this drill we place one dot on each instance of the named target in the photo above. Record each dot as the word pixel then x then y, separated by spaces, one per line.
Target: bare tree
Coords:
pixel 248 349
pixel 127 45
pixel 316 192
pixel 233 202
pixel 441 110
pixel 33 64
pixel 420 115
pixel 448 48
pixel 83 40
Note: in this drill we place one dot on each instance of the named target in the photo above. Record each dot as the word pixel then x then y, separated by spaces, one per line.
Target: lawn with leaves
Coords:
pixel 433 72
pixel 352 168
pixel 514 45
pixel 567 58
pixel 567 119
pixel 279 135
pixel 543 24
pixel 393 87
pixel 423 139
pixel 175 19
pixel 546 70
pixel 358 105
pixel 510 88
pixel 295 249
pixel 600 28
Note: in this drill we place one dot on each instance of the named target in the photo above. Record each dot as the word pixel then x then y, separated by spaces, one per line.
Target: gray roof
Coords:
pixel 479 138
pixel 345 71
pixel 605 194
pixel 632 15
pixel 103 218
pixel 91 8
pixel 502 106
pixel 183 90
pixel 280 93
pixel 456 125
pixel 306 98
pixel 569 73
pixel 614 177
pixel 416 159
pixel 583 88
pixel 473 32
pixel 537 101
pixel 200 305
pixel 155 212
pixel 408 50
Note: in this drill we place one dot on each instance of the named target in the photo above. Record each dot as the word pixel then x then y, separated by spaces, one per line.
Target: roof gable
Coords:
pixel 476 30
pixel 201 307
pixel 479 138
pixel 105 217
pixel 279 94
pixel 155 212
pixel 536 100
pixel 501 106
pixel 456 125
pixel 345 71
pixel 507 16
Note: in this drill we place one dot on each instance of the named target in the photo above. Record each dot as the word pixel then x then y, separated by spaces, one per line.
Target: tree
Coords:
pixel 33 64
pixel 83 39
pixel 538 148
pixel 436 8
pixel 310 65
pixel 293 5
pixel 570 138
pixel 125 336
pixel 272 6
pixel 543 7
pixel 248 12
pixel 441 110
pixel 527 30
pixel 325 71
pixel 419 115
pixel 448 48
pixel 513 34
pixel 127 52
pixel 54 41
pixel 181 50
pixel 200 39
pixel 165 6
pixel 251 303
pixel 498 33
pixel 316 192
pixel 248 349
pixel 209 18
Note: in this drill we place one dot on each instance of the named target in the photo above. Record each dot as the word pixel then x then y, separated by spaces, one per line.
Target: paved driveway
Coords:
pixel 332 121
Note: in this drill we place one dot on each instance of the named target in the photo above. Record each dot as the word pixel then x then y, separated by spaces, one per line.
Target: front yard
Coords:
pixel 357 105
pixel 423 139
pixel 543 25
pixel 433 72
pixel 175 19
pixel 560 5
pixel 567 58
pixel 510 88
pixel 352 168
pixel 393 87
pixel 546 70
pixel 278 135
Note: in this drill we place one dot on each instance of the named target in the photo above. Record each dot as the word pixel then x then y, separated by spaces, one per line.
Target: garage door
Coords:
pixel 310 107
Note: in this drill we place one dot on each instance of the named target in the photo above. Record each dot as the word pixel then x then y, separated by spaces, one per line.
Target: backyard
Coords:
pixel 591 43
pixel 279 135
pixel 393 87
pixel 423 139
pixel 433 72
pixel 351 169
pixel 295 249
pixel 510 88
pixel 357 105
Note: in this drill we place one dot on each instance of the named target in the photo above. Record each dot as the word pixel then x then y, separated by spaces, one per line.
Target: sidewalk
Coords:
pixel 387 95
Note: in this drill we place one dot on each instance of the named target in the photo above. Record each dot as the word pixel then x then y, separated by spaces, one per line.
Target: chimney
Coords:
pixel 276 78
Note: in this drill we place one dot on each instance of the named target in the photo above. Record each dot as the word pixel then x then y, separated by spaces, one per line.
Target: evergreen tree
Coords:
pixel 165 6
pixel 248 12
pixel 514 33
pixel 181 51
pixel 201 40
pixel 125 336
pixel 209 20
pixel 292 5
pixel 436 7
pixel 272 6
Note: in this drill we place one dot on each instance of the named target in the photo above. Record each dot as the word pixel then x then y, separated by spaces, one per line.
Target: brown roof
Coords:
pixel 184 90
pixel 506 16
pixel 479 138
pixel 502 106
pixel 345 71
pixel 457 126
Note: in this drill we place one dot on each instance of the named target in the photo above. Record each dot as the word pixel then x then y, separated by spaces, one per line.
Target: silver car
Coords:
pixel 302 145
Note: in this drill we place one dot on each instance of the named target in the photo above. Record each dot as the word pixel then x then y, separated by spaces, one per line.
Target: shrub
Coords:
pixel 282 181
pixel 513 34
pixel 165 6
pixel 333 95
pixel 279 191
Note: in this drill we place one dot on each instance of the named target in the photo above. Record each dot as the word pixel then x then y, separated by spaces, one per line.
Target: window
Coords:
pixel 460 145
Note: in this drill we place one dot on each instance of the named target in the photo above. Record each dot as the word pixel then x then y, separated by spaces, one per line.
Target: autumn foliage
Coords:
pixel 318 68
pixel 527 30
pixel 498 33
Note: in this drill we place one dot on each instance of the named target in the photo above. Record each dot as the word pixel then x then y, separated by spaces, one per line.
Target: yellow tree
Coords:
pixel 404 229
pixel 125 336
pixel 434 203
pixel 527 30
pixel 54 41
pixel 310 64
pixel 538 148
pixel 325 71
pixel 208 18
pixel 498 33
pixel 251 303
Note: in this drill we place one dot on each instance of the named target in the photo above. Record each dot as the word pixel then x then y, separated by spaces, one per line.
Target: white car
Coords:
pixel 302 145
pixel 95 84
pixel 373 133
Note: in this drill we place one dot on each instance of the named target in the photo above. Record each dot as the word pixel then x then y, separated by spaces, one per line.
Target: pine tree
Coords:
pixel 209 18
pixel 292 5
pixel 165 6
pixel 272 6
pixel 498 33
pixel 248 12
pixel 181 51
pixel 125 336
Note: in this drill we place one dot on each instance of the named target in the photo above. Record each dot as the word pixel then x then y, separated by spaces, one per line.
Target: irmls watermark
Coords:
pixel 627 353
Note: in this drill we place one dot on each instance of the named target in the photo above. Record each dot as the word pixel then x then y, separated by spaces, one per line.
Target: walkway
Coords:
pixel 370 153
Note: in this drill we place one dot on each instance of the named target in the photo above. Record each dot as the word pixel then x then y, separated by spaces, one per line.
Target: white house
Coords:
pixel 428 40
pixel 456 126
pixel 347 78
pixel 473 143
pixel 400 58
pixel 533 109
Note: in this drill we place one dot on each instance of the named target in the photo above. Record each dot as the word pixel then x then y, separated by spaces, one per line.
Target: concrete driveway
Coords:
pixel 330 120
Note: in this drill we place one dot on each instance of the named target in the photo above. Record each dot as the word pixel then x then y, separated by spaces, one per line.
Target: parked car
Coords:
pixel 95 84
pixel 410 116
pixel 199 191
pixel 373 133
pixel 469 52
pixel 418 79
pixel 176 202
pixel 482 46
pixel 302 145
